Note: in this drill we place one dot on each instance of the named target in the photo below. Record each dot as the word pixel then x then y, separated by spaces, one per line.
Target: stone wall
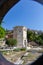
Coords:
pixel 20 33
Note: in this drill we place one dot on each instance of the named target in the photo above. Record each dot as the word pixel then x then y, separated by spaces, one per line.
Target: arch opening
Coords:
pixel 24 20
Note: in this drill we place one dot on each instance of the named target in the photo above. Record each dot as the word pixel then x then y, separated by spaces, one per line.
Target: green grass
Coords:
pixel 19 49
pixel 23 49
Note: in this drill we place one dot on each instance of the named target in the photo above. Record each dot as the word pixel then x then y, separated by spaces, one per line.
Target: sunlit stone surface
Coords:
pixel 20 33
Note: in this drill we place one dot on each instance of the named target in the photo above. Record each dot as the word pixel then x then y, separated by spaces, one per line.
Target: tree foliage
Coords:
pixel 11 42
pixel 32 36
pixel 2 32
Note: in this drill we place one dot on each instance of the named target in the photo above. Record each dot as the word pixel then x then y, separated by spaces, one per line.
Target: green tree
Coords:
pixel 41 35
pixel 2 32
pixel 30 36
pixel 11 42
pixel 41 39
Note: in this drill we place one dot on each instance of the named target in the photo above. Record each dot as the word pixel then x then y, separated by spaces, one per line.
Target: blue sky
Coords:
pixel 25 13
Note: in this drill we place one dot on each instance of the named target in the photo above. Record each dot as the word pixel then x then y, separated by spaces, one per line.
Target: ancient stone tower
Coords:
pixel 20 33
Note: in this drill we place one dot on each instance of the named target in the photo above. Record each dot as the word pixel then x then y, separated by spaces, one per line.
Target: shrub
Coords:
pixel 20 49
pixel 11 42
pixel 17 49
pixel 23 49
pixel 2 32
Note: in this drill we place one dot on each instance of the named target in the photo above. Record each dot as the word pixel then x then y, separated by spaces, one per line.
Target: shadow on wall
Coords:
pixel 40 1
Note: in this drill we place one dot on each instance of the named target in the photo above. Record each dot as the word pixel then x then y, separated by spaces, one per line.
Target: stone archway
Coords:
pixel 5 6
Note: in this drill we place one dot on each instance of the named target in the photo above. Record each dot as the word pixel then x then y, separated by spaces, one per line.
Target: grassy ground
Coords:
pixel 13 56
pixel 30 57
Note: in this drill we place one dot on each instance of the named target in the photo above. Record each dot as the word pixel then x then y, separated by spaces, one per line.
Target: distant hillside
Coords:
pixel 36 31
